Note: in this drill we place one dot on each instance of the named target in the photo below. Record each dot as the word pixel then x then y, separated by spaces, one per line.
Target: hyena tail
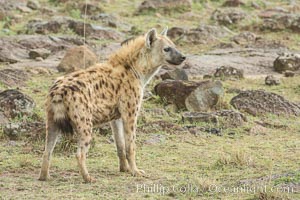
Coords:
pixel 60 115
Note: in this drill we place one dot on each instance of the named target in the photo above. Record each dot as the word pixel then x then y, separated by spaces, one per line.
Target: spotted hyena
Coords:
pixel 109 92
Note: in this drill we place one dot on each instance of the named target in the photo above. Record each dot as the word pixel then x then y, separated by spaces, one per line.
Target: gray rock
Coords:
pixel 290 62
pixel 226 72
pixel 34 5
pixel 189 95
pixel 165 6
pixel 252 61
pixel 223 118
pixel 203 34
pixel 289 73
pixel 259 102
pixel 279 22
pixel 196 117
pixel 35 53
pixel 228 16
pixel 13 77
pixel 272 80
pixel 13 104
pixel 176 74
pixel 233 3
pixel 205 97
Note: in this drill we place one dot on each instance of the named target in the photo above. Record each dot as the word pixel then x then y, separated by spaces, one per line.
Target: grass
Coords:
pixel 195 166
pixel 181 165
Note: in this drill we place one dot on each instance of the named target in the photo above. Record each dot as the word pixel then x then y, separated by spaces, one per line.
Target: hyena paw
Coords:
pixel 89 179
pixel 138 172
pixel 44 176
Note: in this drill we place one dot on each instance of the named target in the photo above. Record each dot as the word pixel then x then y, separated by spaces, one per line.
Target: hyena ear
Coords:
pixel 165 31
pixel 151 37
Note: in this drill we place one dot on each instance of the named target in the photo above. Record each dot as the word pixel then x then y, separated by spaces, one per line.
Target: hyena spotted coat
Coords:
pixel 109 92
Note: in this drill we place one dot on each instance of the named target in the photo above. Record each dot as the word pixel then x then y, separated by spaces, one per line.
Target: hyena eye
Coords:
pixel 167 49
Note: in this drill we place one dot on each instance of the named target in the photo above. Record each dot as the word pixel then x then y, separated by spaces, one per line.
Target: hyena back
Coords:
pixel 109 92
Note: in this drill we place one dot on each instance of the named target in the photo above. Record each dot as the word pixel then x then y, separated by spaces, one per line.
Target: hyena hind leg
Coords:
pixel 51 138
pixel 84 140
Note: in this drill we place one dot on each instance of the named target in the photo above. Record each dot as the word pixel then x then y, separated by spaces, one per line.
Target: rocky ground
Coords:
pixel 225 120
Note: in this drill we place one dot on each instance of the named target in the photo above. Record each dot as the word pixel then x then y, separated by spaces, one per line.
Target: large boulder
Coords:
pixel 14 104
pixel 287 62
pixel 259 102
pixel 165 6
pixel 190 95
pixel 74 59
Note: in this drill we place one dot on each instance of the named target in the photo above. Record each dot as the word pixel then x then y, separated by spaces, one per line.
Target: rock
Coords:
pixel 3 14
pixel 224 118
pixel 177 74
pixel 27 130
pixel 255 5
pixel 95 32
pixel 35 53
pixel 165 6
pixel 207 76
pixel 252 61
pixel 13 77
pixel 233 3
pixel 230 118
pixel 259 102
pixel 196 117
pixel 279 22
pixel 24 9
pixel 289 73
pixel 56 25
pixel 290 62
pixel 193 96
pixel 228 16
pixel 90 8
pixel 3 119
pixel 176 32
pixel 61 24
pixel 272 80
pixel 204 34
pixel 15 104
pixel 73 59
pixel 226 72
pixel 34 5
pixel 244 38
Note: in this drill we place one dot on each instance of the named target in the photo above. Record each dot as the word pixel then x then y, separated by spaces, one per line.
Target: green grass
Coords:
pixel 180 159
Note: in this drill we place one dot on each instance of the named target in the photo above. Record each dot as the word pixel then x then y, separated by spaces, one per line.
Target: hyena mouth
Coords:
pixel 177 61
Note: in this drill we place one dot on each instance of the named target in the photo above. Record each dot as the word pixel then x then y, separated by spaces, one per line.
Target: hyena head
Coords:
pixel 161 50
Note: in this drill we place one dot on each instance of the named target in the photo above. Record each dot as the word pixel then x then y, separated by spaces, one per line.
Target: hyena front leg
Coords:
pixel 51 137
pixel 129 117
pixel 84 139
pixel 118 132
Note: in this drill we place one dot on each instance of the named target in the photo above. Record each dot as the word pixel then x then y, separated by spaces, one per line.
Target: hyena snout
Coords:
pixel 176 57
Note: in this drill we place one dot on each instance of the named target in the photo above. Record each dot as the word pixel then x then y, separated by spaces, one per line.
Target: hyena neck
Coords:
pixel 134 57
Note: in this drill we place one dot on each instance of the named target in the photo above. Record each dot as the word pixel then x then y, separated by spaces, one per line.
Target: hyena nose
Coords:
pixel 182 58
